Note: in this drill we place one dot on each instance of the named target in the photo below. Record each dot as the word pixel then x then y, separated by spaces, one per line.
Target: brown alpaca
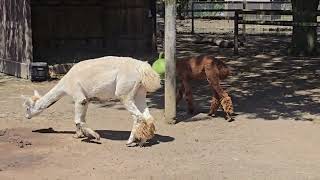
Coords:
pixel 204 68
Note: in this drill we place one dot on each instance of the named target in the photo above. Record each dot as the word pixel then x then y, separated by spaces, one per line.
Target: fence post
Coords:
pixel 170 53
pixel 236 33
pixel 244 7
pixel 192 17
pixel 153 8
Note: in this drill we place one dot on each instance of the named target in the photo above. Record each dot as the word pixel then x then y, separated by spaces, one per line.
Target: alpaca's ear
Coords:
pixel 36 93
pixel 26 100
pixel 23 97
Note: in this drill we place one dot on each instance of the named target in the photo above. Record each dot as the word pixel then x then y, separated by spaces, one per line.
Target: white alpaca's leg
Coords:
pixel 79 117
pixel 126 91
pixel 133 130
pixel 132 108
pixel 140 102
pixel 135 113
pixel 80 114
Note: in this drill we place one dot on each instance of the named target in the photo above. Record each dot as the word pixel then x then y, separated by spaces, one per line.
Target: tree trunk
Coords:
pixel 304 39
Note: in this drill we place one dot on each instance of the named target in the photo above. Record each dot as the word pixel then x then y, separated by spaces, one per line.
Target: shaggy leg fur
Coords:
pixel 213 79
pixel 225 100
pixel 180 93
pixel 136 98
pixel 188 95
pixel 144 129
pixel 227 106
pixel 214 104
pixel 189 100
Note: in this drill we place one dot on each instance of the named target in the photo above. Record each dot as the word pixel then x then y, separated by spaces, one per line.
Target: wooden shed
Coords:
pixel 61 31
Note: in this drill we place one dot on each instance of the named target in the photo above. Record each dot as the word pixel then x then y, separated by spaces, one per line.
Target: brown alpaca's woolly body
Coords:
pixel 208 68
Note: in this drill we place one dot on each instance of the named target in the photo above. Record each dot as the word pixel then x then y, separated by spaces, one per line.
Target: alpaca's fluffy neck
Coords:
pixel 51 97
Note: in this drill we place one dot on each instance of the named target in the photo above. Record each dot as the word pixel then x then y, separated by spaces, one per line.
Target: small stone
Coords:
pixel 3 132
pixel 27 143
pixel 196 140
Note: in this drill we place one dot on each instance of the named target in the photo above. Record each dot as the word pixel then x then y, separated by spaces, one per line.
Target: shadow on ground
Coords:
pixel 111 135
pixel 266 83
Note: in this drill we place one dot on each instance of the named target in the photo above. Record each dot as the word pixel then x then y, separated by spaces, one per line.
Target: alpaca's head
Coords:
pixel 29 104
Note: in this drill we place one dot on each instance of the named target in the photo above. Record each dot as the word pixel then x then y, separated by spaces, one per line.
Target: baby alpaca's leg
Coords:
pixel 215 103
pixel 227 106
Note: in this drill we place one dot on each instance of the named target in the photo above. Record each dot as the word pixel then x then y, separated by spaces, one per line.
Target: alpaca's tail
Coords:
pixel 150 78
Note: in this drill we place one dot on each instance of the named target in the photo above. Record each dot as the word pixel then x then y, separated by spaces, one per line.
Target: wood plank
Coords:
pixel 108 26
pixel 15 37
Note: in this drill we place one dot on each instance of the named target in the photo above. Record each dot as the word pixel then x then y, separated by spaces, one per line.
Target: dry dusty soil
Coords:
pixel 276 134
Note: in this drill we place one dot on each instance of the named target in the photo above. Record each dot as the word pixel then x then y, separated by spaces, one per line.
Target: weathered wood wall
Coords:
pixel 71 30
pixel 15 37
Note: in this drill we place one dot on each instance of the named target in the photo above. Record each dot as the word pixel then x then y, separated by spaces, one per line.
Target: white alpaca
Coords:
pixel 105 78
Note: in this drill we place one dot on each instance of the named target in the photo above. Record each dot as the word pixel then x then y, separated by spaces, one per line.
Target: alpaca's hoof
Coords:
pixel 78 135
pixel 96 136
pixel 89 133
pixel 130 142
pixel 142 143
pixel 191 111
pixel 229 118
pixel 211 114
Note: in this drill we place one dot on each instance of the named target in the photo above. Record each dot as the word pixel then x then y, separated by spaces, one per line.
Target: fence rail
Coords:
pixel 238 20
pixel 244 8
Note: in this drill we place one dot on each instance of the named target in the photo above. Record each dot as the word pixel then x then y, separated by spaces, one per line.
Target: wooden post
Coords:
pixel 153 8
pixel 192 17
pixel 236 33
pixel 244 7
pixel 170 52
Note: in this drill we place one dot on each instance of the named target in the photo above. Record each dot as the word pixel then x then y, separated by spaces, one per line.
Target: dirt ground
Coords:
pixel 276 134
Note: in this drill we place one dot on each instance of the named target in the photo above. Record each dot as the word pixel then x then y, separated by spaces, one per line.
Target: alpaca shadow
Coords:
pixel 51 130
pixel 124 135
pixel 111 135
pixel 202 115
